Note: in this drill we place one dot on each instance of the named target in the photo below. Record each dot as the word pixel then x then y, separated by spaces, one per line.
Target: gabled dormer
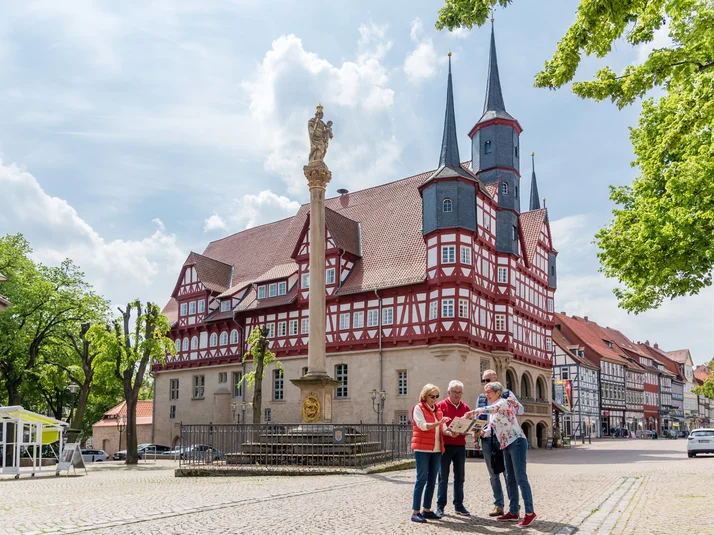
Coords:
pixel 201 279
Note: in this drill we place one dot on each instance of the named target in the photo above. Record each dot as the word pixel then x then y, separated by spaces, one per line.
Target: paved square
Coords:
pixel 621 487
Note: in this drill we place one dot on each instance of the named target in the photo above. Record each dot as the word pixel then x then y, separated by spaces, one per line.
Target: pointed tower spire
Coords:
pixel 535 199
pixel 494 96
pixel 449 145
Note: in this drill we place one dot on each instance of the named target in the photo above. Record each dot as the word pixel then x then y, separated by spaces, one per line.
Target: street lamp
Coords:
pixel 378 403
pixel 234 408
pixel 73 389
pixel 242 411
pixel 121 425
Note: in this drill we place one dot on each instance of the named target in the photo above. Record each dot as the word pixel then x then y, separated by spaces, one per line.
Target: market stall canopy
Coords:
pixel 19 415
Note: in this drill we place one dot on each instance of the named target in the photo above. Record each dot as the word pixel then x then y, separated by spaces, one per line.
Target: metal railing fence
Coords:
pixel 294 445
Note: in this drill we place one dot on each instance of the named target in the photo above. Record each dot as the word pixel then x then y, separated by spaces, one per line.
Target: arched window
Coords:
pixel 178 344
pixel 194 342
pixel 487 147
pixel 511 382
pixel 504 188
pixel 224 338
pixel 540 389
pixel 234 336
pixel 185 344
pixel 448 205
pixel 525 386
pixel 213 342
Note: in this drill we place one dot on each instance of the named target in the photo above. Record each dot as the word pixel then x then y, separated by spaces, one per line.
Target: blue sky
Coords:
pixel 132 133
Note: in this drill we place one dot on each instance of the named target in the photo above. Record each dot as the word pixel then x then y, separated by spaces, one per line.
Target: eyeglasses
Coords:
pixel 485 380
pixel 457 392
pixel 434 396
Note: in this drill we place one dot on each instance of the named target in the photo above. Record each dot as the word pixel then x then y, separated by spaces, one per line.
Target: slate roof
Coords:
pixel 531 226
pixel 493 106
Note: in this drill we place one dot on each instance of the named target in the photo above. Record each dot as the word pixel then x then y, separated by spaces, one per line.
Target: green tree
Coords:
pixel 46 302
pixel 127 348
pixel 660 243
pixel 262 357
pixel 707 389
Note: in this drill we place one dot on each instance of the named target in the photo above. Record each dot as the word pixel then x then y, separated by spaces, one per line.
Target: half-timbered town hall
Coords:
pixel 433 277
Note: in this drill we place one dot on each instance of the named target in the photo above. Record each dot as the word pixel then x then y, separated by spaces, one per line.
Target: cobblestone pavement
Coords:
pixel 618 487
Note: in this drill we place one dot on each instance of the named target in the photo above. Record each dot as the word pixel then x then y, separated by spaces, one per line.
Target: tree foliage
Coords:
pixel 660 244
pixel 262 357
pixel 126 349
pixel 707 389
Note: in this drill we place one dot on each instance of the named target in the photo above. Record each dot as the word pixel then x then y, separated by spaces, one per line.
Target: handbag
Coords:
pixel 498 464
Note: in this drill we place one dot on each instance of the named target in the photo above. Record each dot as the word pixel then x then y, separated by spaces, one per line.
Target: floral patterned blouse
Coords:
pixel 503 420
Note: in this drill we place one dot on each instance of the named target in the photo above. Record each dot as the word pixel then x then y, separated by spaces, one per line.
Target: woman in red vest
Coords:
pixel 428 423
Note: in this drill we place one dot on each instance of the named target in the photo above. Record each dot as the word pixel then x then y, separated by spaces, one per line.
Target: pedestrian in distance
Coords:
pixel 428 425
pixel 504 426
pixel 487 444
pixel 454 451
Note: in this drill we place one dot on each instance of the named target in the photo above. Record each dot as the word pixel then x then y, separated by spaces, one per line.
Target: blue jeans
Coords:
pixel 457 455
pixel 515 459
pixel 427 467
pixel 495 478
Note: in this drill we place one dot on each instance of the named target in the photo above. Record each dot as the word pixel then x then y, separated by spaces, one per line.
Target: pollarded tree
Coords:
pixel 660 244
pixel 127 348
pixel 262 357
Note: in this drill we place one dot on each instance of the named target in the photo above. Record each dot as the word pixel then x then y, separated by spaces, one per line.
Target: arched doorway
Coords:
pixel 176 442
pixel 528 431
pixel 542 434
pixel 511 382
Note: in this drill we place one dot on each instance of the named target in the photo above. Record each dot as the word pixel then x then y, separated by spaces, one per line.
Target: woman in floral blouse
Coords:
pixel 514 445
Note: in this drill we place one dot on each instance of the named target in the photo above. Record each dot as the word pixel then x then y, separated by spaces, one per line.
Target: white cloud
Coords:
pixel 459 33
pixel 420 64
pixel 120 269
pixel 214 222
pixel 290 81
pixel 253 210
pixel 661 39
pixel 571 233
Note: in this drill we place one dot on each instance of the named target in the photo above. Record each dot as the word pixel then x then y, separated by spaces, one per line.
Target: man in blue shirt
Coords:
pixel 487 445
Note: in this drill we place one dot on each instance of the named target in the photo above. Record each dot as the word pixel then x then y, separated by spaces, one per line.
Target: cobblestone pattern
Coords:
pixel 610 487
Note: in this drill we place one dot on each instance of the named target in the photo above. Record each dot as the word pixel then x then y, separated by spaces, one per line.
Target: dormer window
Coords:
pixel 225 306
pixel 504 188
pixel 448 206
pixel 261 292
pixel 273 290
pixel 487 147
pixel 282 288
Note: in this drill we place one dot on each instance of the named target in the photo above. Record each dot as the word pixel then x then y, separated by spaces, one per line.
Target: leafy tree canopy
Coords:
pixel 660 243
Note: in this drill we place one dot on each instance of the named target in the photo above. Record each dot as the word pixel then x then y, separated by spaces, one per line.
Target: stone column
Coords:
pixel 316 387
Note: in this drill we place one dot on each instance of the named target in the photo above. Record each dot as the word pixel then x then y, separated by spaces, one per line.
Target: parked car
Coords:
pixel 197 452
pixel 94 456
pixel 142 450
pixel 700 441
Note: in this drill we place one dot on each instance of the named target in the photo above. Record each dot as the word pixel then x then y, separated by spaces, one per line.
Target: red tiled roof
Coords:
pixel 345 231
pixel 234 289
pixel 531 224
pixel 662 358
pixel 144 414
pixel 561 341
pixel 278 272
pixel 214 274
pixel 593 336
pixel 701 372
pixel 170 310
pixel 679 355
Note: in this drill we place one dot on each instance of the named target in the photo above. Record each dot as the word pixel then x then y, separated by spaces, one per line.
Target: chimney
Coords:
pixel 647 342
pixel 585 318
pixel 656 346
pixel 563 314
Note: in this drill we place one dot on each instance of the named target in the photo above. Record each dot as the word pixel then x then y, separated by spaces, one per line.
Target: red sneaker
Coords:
pixel 527 520
pixel 508 517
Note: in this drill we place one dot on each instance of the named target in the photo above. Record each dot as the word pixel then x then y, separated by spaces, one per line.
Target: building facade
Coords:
pixel 581 417
pixel 683 358
pixel 435 277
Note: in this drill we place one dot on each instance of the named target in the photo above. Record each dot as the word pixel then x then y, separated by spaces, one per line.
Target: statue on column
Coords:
pixel 320 136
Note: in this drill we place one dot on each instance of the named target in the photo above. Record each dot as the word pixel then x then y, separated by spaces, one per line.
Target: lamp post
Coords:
pixel 71 432
pixel 378 403
pixel 121 425
pixel 234 408
pixel 242 412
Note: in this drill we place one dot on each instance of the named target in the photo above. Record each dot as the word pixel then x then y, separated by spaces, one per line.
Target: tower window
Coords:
pixel 516 150
pixel 515 232
pixel 504 188
pixel 448 205
pixel 487 147
pixel 516 190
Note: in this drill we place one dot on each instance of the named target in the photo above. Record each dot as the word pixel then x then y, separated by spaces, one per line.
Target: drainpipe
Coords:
pixel 381 358
pixel 241 342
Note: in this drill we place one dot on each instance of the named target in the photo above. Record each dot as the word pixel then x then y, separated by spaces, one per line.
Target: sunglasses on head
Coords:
pixel 434 396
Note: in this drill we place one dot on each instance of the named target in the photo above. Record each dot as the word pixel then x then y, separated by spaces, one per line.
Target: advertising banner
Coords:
pixel 563 392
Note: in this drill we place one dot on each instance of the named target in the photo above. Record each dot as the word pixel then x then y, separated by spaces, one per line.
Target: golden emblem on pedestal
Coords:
pixel 311 408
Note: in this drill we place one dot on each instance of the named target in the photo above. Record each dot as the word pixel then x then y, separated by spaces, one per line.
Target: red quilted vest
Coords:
pixel 424 440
